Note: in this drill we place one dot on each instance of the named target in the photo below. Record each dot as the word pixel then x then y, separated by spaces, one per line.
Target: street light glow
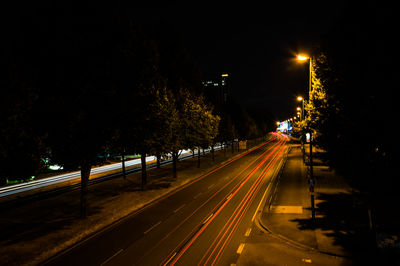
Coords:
pixel 299 98
pixel 302 57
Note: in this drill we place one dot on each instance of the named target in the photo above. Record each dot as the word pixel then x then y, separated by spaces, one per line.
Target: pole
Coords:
pixel 310 79
pixel 311 155
pixel 123 163
pixel 312 180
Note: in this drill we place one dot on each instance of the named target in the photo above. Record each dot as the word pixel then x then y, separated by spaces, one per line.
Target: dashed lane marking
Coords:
pixel 247 232
pixel 183 205
pixel 240 249
pixel 151 228
pixel 110 258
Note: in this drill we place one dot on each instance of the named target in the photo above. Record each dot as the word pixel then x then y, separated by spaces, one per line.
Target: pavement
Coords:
pixel 289 212
pixel 290 236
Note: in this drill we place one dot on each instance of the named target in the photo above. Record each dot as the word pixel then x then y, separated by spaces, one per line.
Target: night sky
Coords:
pixel 255 43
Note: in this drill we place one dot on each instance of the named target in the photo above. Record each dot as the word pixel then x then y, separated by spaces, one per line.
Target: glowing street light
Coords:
pixel 302 57
pixel 301 99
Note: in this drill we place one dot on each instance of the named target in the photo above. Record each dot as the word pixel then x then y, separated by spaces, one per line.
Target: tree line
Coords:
pixel 351 104
pixel 77 86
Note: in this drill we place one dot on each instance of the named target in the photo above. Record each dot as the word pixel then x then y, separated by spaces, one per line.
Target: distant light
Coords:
pixel 298 108
pixel 55 167
pixel 302 57
pixel 225 75
pixel 299 98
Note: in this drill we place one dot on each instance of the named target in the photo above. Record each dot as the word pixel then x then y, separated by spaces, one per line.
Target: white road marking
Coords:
pixel 247 232
pixel 197 195
pixel 262 199
pixel 183 205
pixel 110 258
pixel 240 249
pixel 210 186
pixel 151 228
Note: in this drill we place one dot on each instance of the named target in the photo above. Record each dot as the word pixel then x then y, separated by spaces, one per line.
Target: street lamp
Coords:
pixel 303 58
pixel 301 99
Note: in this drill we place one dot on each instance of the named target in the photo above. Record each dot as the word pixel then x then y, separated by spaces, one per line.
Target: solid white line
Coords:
pixel 151 228
pixel 240 249
pixel 110 258
pixel 262 199
pixel 183 205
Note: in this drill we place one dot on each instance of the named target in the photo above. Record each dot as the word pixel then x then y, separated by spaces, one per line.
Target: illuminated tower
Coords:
pixel 225 88
pixel 217 90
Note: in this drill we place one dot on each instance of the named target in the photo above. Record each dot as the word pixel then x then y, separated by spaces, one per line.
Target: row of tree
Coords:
pixel 78 86
pixel 352 100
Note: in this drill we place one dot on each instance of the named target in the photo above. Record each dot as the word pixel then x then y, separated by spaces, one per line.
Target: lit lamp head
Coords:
pixel 302 57
pixel 299 98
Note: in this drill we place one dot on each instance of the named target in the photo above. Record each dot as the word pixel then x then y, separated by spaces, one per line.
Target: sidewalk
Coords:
pixel 338 230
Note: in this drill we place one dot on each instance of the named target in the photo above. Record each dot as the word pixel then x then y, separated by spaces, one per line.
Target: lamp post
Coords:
pixel 311 180
pixel 301 99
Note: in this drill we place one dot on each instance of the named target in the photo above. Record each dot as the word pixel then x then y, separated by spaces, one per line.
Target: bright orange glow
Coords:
pixel 299 98
pixel 302 57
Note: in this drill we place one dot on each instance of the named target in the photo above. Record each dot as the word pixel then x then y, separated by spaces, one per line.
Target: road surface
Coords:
pixel 204 222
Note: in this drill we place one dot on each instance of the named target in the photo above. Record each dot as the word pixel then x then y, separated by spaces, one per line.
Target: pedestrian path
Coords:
pixel 289 213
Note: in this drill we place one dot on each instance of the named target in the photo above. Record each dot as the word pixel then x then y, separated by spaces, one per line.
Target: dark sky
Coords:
pixel 255 42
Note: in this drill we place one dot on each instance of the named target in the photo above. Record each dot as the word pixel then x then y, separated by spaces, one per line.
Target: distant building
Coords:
pixel 217 90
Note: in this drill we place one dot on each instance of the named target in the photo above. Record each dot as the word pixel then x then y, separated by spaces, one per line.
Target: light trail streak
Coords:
pixel 240 210
pixel 200 177
pixel 218 205
pixel 248 203
pixel 225 201
pixel 210 198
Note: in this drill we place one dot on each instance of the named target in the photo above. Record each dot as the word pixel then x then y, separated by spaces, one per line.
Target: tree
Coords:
pixel 21 142
pixel 200 125
pixel 75 93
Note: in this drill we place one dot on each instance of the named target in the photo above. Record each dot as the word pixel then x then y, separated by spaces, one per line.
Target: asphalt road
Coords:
pixel 204 222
